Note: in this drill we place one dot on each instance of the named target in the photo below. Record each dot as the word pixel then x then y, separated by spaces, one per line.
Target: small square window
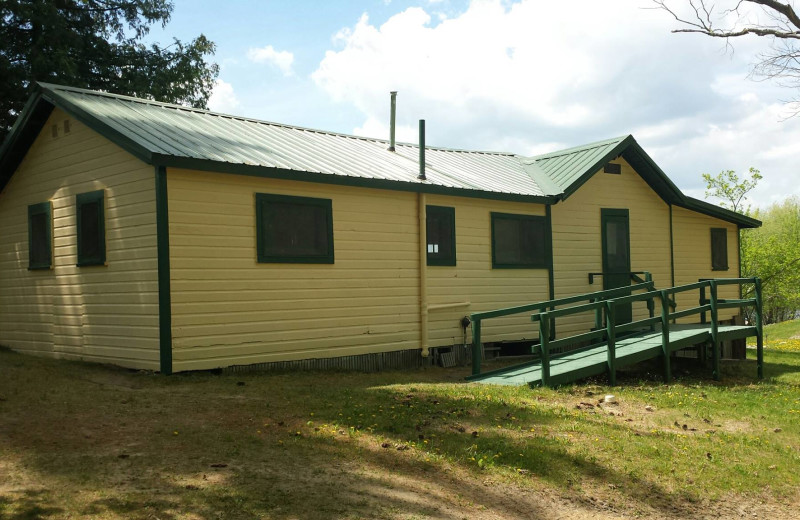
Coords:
pixel 719 249
pixel 90 214
pixel 441 235
pixel 519 241
pixel 40 237
pixel 294 229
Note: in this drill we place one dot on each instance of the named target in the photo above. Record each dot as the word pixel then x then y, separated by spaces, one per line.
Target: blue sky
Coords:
pixel 524 76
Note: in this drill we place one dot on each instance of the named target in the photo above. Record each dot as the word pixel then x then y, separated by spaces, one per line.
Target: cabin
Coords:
pixel 156 236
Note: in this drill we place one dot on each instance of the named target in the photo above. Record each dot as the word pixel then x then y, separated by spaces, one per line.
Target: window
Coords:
pixel 90 212
pixel 519 241
pixel 294 229
pixel 719 249
pixel 40 239
pixel 441 235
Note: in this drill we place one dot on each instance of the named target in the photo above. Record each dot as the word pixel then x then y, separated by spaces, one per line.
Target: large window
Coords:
pixel 294 229
pixel 519 241
pixel 90 211
pixel 40 236
pixel 441 235
pixel 719 249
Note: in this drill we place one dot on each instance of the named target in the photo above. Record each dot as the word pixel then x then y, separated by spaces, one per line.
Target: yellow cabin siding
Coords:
pixel 99 313
pixel 692 239
pixel 228 309
pixel 472 280
pixel 577 238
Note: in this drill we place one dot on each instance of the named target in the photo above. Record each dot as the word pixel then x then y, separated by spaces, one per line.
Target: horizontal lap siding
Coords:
pixel 227 309
pixel 577 238
pixel 692 235
pixel 99 313
pixel 472 280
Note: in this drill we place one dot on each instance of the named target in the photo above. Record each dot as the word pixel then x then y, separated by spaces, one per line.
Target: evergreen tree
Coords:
pixel 97 44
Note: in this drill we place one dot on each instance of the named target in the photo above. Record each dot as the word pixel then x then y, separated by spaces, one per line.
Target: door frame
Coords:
pixel 605 214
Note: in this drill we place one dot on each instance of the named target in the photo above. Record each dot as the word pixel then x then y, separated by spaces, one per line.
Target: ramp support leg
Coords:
pixel 665 336
pixel 611 333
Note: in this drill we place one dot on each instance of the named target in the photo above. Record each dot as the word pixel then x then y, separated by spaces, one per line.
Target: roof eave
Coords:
pixel 191 163
pixel 701 206
pixel 22 135
pixel 115 136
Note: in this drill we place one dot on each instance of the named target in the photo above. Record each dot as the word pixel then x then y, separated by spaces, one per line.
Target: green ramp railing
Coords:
pixel 613 330
pixel 478 318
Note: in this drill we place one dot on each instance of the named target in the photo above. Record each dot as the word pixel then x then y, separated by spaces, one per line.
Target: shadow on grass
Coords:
pixel 301 446
pixel 30 505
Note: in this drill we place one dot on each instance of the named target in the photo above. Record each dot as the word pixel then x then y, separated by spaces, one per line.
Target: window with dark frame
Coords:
pixel 40 238
pixel 441 235
pixel 293 229
pixel 719 249
pixel 519 241
pixel 90 215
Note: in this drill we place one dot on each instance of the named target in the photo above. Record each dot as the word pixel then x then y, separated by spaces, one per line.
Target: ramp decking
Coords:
pixel 593 361
pixel 612 345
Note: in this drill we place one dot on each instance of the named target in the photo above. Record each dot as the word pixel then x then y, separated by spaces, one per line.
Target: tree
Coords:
pixel 97 44
pixel 772 252
pixel 770 19
pixel 727 186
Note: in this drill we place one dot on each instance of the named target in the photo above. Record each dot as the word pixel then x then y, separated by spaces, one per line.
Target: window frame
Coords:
pixel 81 199
pixel 715 266
pixel 449 213
pixel 545 259
pixel 263 258
pixel 45 208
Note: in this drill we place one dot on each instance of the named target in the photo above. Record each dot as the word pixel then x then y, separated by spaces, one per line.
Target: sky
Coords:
pixel 526 76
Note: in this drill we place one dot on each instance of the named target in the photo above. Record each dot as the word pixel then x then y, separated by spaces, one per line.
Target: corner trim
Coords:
pixel 164 295
pixel 672 250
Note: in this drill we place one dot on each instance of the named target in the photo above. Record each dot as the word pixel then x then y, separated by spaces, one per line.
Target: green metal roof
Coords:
pixel 171 135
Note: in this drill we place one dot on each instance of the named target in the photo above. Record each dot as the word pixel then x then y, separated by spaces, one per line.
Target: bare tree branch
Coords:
pixel 781 62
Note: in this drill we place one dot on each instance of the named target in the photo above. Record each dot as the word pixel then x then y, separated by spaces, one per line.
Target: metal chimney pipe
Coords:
pixel 421 175
pixel 392 119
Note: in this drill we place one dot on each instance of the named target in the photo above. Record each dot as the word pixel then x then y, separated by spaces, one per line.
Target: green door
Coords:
pixel 616 255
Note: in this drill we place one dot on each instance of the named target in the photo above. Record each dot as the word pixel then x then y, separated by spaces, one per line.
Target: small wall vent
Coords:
pixel 66 126
pixel 616 169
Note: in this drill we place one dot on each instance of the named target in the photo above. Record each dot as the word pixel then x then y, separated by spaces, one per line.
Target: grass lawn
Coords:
pixel 784 335
pixel 87 441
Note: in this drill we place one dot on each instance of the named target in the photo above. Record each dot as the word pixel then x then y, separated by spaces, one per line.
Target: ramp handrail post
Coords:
pixel 702 302
pixel 714 330
pixel 612 354
pixel 651 307
pixel 476 347
pixel 665 335
pixel 759 330
pixel 544 343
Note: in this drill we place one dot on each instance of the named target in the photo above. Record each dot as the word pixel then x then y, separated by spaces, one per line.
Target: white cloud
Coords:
pixel 223 98
pixel 281 59
pixel 526 75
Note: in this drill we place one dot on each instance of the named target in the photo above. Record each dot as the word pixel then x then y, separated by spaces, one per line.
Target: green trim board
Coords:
pixel 91 228
pixel 278 242
pixel 22 135
pixel 551 278
pixel 672 251
pixel 529 256
pixel 164 294
pixel 40 257
pixel 441 224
